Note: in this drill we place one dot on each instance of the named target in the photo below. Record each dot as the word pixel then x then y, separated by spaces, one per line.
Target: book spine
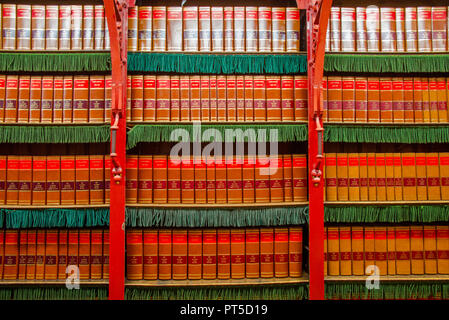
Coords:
pixel 2 96
pixel 167 28
pixel 159 179
pixel 58 91
pixel 374 100
pixel 292 29
pixel 260 102
pixel 281 252
pixel 134 254
pixel 287 98
pixel 357 258
pixel 144 27
pixel 131 178
pixel 179 256
pixel 185 98
pixel 174 180
pixel 442 249
pixel 430 250
pixel 223 253
pixel 220 180
pixel 301 98
pixel 51 254
pixel 249 98
pixel 209 258
pixel 81 99
pixel 217 29
pixel 25 179
pixel 129 97
pixel 389 174
pixel 444 175
pixel 344 234
pixel 334 96
pixel 403 266
pixel 411 29
pixel 23 27
pixel 67 104
pixel 240 94
pixel 84 254
pixel 262 180
pixel 228 29
pixel 239 29
pixel 187 180
pixel 348 99
pixel 361 36
pixel 67 180
pixel 433 176
pixel 424 19
pixel 342 177
pixel 335 27
pixel 248 179
pixel 195 98
pixel 213 97
pixel 251 27
pixel 231 96
pixel 299 177
pixel 76 27
pixel 442 100
pixel 11 255
pixel 204 26
pixel 107 178
pixel 12 92
pixel 386 100
pixel 96 99
pixel 295 252
pixel 47 99
pixel 195 256
pixel 381 177
pixel 439 29
pixel 106 254
pixel 163 98
pixel 372 182
pixel 287 165
pixel 35 100
pixel 278 29
pixel 99 32
pixel 398 183
pixel 266 252
pixel 149 98
pixel 388 29
pixel 174 98
pixel 107 45
pixel 150 254
pixel 190 28
pixel 391 250
pixel 23 103
pixel 369 247
pixel 165 254
pixel 96 250
pixel 265 27
pixel 363 176
pixel 82 180
pixel 9 26
pixel 348 29
pixel 88 27
pixel 276 179
pixel 330 161
pixel 210 179
pixel 40 254
pixel 52 27
pixel 333 251
pixel 252 249
pixel 30 254
pixel 96 165
pixel 421 96
pixel 145 179
pixel 417 249
pixel 132 29
pixel 205 98
pixel 408 100
pixel 2 180
pixel 353 177
pixel 433 97
pixel 22 255
pixel 380 248
pixel 361 99
pixel 398 100
pixel 421 180
pixel 237 253
pixel 373 29
pixel 65 25
pixel 200 180
pixel 62 253
pixel 273 91
pixel 400 29
pixel 12 180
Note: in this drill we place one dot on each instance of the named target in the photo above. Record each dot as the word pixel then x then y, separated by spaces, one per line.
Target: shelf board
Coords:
pixel 206 283
pixel 383 203
pixel 399 278
pixel 79 206
pixel 51 282
pixel 32 124
pixel 134 123
pixel 218 205
pixel 398 124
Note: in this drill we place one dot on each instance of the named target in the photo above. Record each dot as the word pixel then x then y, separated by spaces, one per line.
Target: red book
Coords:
pixel 252 253
pixel 231 95
pixel 31 255
pixel 62 253
pixel 179 254
pixel 195 239
pixel 10 264
pixel 223 253
pixel 23 239
pixel 209 253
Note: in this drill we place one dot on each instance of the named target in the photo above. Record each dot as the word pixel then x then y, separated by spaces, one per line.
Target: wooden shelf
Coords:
pixel 32 124
pixel 215 206
pixel 51 282
pixel 268 123
pixel 380 53
pixel 205 283
pixel 79 206
pixel 384 203
pixel 399 124
pixel 399 278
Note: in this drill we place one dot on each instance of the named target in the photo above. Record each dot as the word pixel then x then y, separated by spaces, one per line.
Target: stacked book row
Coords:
pixel 52 254
pixel 374 29
pixel 159 28
pixel 195 254
pixel 54 180
pixel 395 250
pixel 387 176
pixel 386 100
pixel 248 179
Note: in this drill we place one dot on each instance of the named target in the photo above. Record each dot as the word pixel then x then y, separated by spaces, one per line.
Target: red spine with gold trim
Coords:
pixel 262 180
pixel 23 103
pixel 159 179
pixel 163 98
pixel 82 180
pixel 149 98
pixel 248 179
pixel 31 254
pixel 209 254
pixel 12 180
pixel 295 252
pixel 96 99
pixel 398 100
pixel 195 98
pixel 35 99
pixel 223 253
pixel 205 98
pixel 334 96
pixel 373 100
pixel 12 91
pixel 51 254
pixel 348 99
pixel 210 179
pixel 10 264
pixel 96 252
pixel 185 98
pixel 39 181
pixel 386 100
pixel 299 177
pixel 195 254
pixel 174 180
pixel 231 95
pixel 220 180
pixel 174 98
pixel 281 253
pixel 145 179
pixel 252 251
pixel 72 247
pixel 273 98
pixel 179 256
pixel 134 254
pixel 187 180
pixel 260 99
pixel 25 179
pixel 287 98
pixel 81 99
pixel 301 98
pixel 276 179
pixel 237 253
pixel 150 254
pixel 234 179
pixel 23 239
pixel 131 178
pixel 47 99
pixel 266 252
pixel 62 253
pixel 58 91
pixel 361 99
pixel 96 165
pixel 67 104
pixel 67 186
pixel 84 254
pixel 200 180
pixel 165 254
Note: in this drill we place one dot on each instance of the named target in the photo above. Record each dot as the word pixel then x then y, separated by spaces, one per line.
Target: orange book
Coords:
pixel 53 180
pixel 403 250
pixel 23 103
pixel 150 254
pixel 391 250
pixel 380 249
pixel 107 178
pixel 443 249
pixel 195 256
pixel 292 29
pixel 96 163
pixel 386 100
pixel 325 253
pixel 397 177
pixel 361 99
pixel 47 99
pixel 300 93
pixel 213 97
pixel 30 254
pixel 421 181
pixel 433 97
pixel 81 99
pixel 200 180
pixel 106 254
pixel 12 180
pixel 331 176
pixel 299 177
pixel 195 98
pixel 363 180
pixel 231 98
pixel 248 169
pixel 353 177
pixel 220 180
pixel 3 180
pixel 333 251
pixel 82 180
pixel 10 263
pixel 221 98
pixel 67 180
pixel 84 254
pixel 163 98
pixel 357 251
pixel 209 254
pixel 389 174
pixel 287 165
pixel 149 98
pixel 430 250
pixel 381 183
pixel 51 254
pixel 134 254
pixel 174 98
pixel 417 249
pixel 25 179
pixel 187 180
pixel 179 256
pixel 409 177
pixel 444 175
pixel 276 179
pixel 281 252
pixel 223 253
pixel 433 176
pixel 295 252
pixel 369 247
pixel 342 177
pixel 237 253
pixel 40 254
pixel 22 254
pixel 67 102
pixel 62 253
pixel 96 253
pixel 159 179
pixel 58 91
pixel 374 100
pixel 129 97
pixel 262 181
pixel 39 180
pixel 287 98
pixel 131 178
pixel 2 97
pixel 12 91
pixel 137 97
pixel 249 98
pixel 408 86
pixel 334 96
pixel 210 179
pixel 260 99
pixel 442 100
pixel 273 91
pixel 205 98
pixel 252 253
pixel 348 99
pixel 185 98
pixel 2 252
pixel 145 179
pixel 422 93
pixel 345 251
pixel 398 100
pixel 165 254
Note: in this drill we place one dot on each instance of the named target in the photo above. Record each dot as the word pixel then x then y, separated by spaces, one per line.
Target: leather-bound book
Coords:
pixel 433 97
pixel 251 29
pixel 187 180
pixel 2 250
pixel 200 180
pixel 76 27
pixel 23 27
pixel 439 29
pixel 40 254
pixel 373 100
pixel 331 176
pixel 81 99
pixel 150 254
pixel 260 99
pixel 2 96
pixel 3 180
pixel 38 27
pixel 204 26
pixel 134 254
pixel 88 27
pixel 144 27
pixel 333 249
pixel 58 91
pixel 345 251
pixel 96 253
pixel 205 98
pixel 137 97
pixel 237 253
pixel 334 96
pixel 292 29
pixel 132 29
pixel 12 180
pixel 106 254
pixel 430 250
pixel 174 180
pixel 422 100
pixel 442 249
pixel 217 29
pixel 348 29
pixel 353 177
pixel 276 179
pixel 231 96
pixel 213 97
pixel 179 256
pixel 195 98
pixel 99 22
pixel 190 28
pixel 403 266
pixel 9 26
pixel 96 165
pixel 295 252
pixel 381 177
pixel 11 257
pixel 30 254
pixel 145 179
pixel 300 93
pixel 234 179
pixel 408 100
pixel 278 29
pixel 67 180
pixel 220 180
pixel 209 254
pixel 369 247
pixel 281 252
pixel 195 254
pixel 185 97
pixel 60 176
pixel 12 92
pixel 348 99
pixel 163 98
pixel 228 29
pixel 287 165
pixel 386 100
pixel 444 175
pixel 391 250
pixel 149 98
pixel 287 98
pixel 342 177
pixel 380 248
pixel 433 176
pixel 62 252
pixel 210 179
pixel 82 180
pixel 25 179
pixel 240 95
pixel 399 30
pixel 67 104
pixel 23 103
pixel 107 178
pixel 389 176
pixel 262 180
pixel 417 249
pixel 96 99
pixel 159 179
pixel 299 177
pixel 52 27
pixel 265 29
pixel 224 253
pixel 252 253
pixel 165 254
pixel 131 178
pixel 398 185
pixel 324 99
pixel 325 253
pixel 35 100
pixel 373 28
pixel 363 176
pixel 357 251
pixel 398 100
pixel 23 239
pixel 372 181
pixel 442 100
pixel 174 28
pixel 47 99
pixel 424 22
pixel 335 27
pixel 129 94
pixel 84 254
pixel 361 42
pixel 65 28
pixel 239 29
pixel 421 176
pixel 51 254
pixel 388 29
pixel 174 98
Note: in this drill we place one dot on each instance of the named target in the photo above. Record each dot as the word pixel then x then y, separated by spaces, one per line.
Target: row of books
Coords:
pixel 54 180
pixel 162 179
pixel 45 254
pixel 374 29
pixel 387 176
pixel 386 100
pixel 160 28
pixel 394 250
pixel 55 99
pixel 195 254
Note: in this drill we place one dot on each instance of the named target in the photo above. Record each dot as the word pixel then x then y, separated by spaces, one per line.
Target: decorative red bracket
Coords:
pixel 117 18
